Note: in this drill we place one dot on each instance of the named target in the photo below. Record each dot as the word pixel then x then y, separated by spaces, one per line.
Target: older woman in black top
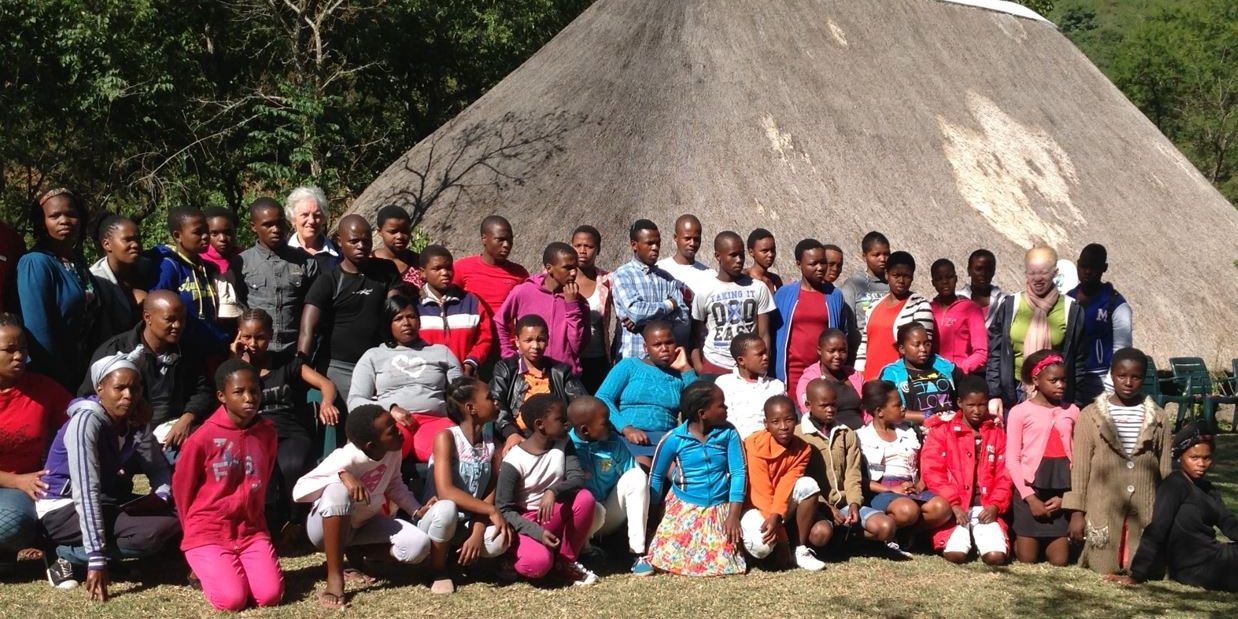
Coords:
pixel 1182 533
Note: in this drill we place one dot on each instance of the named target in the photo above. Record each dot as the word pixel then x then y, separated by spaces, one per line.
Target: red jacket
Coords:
pixel 949 467
pixel 220 482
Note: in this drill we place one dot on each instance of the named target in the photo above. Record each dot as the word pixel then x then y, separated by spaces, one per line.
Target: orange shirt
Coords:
pixel 537 384
pixel 880 327
pixel 773 471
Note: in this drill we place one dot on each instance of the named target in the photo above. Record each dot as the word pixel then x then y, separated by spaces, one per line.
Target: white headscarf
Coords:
pixel 100 369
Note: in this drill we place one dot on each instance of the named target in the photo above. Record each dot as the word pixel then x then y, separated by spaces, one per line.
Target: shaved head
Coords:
pixel 727 239
pixel 687 219
pixel 162 300
pixel 582 410
pixel 353 222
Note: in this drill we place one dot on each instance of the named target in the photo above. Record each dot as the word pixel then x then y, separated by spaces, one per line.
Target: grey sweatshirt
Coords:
pixel 415 378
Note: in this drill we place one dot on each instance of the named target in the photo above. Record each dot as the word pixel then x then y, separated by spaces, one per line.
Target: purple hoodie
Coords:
pixel 568 322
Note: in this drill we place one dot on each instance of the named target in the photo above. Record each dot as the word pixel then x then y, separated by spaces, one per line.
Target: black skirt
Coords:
pixel 1052 480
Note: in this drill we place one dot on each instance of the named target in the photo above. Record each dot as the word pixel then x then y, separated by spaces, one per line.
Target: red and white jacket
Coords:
pixel 951 470
pixel 459 321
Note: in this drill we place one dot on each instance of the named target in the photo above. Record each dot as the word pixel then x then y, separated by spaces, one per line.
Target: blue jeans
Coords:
pixel 18 523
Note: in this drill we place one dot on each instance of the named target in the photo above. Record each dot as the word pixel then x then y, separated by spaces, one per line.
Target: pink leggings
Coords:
pixel 570 522
pixel 232 577
pixel 419 442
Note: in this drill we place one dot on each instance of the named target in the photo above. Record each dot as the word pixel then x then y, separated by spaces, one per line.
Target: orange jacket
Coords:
pixel 773 471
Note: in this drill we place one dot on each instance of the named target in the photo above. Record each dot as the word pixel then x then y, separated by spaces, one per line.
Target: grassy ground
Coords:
pixel 924 587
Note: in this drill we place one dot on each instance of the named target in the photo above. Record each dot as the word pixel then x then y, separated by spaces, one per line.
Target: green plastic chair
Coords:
pixel 314 398
pixel 1199 383
pixel 1154 387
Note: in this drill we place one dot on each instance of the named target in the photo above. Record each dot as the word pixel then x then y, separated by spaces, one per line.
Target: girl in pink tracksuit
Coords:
pixel 220 487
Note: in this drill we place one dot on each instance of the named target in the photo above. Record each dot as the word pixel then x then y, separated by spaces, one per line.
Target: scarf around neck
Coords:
pixel 1039 336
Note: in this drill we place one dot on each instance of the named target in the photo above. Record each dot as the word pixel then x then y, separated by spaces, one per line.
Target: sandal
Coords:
pixel 443 586
pixel 331 601
pixel 357 577
pixel 29 554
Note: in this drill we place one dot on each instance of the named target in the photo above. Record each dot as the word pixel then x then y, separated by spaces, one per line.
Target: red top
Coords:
pixel 490 282
pixel 219 485
pixel 30 414
pixel 880 326
pixel 12 246
pixel 1054 447
pixel 808 320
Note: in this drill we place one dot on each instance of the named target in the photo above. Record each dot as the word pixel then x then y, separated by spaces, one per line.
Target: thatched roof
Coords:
pixel 948 127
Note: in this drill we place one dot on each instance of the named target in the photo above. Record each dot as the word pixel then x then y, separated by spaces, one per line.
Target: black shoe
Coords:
pixel 60 573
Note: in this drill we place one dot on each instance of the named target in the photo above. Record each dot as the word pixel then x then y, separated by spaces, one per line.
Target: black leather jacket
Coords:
pixel 508 387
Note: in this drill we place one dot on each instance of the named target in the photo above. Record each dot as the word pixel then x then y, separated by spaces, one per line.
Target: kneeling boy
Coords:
pixel 777 463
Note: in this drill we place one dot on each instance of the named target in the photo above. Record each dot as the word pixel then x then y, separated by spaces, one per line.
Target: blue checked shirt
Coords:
pixel 640 294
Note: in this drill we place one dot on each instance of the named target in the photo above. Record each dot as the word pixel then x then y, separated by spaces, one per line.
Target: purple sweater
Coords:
pixel 568 322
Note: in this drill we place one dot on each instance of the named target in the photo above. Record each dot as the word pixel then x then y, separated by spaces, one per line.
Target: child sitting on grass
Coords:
pixel 747 388
pixel 620 488
pixel 349 490
pixel 526 374
pixel 219 487
pixel 892 453
pixel 778 487
pixel 699 532
pixel 541 494
pixel 925 380
pixel 964 462
pixel 463 470
pixel 1039 437
pixel 837 467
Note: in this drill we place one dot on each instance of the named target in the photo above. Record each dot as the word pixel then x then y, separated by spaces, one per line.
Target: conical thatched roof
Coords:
pixel 948 127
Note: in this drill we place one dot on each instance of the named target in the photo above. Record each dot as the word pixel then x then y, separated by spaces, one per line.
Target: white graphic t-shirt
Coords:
pixel 729 309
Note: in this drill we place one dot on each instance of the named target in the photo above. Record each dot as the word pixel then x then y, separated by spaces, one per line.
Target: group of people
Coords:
pixel 392 405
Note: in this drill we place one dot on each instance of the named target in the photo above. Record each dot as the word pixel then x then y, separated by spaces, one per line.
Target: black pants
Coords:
pixel 1218 574
pixel 295 455
pixel 129 536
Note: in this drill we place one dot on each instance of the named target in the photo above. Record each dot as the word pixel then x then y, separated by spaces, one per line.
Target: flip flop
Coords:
pixel 443 586
pixel 357 577
pixel 29 554
pixel 331 601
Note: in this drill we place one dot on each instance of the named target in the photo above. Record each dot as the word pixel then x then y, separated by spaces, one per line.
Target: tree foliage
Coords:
pixel 1177 60
pixel 144 104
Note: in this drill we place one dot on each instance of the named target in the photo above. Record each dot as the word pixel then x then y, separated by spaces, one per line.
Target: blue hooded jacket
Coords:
pixel 194 283
pixel 785 300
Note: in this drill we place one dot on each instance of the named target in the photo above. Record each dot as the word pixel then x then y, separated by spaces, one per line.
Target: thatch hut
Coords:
pixel 947 125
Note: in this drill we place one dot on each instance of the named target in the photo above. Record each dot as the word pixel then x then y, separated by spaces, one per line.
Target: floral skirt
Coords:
pixel 690 541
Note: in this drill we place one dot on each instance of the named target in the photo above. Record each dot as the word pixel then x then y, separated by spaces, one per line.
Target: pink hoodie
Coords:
pixel 568 322
pixel 961 335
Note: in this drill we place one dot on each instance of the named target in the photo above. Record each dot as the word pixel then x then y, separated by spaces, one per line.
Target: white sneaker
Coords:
pixel 807 560
pixel 586 576
pixel 897 551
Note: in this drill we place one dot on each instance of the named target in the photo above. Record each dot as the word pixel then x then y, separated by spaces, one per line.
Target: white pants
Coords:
pixel 750 523
pixel 410 543
pixel 985 538
pixel 628 501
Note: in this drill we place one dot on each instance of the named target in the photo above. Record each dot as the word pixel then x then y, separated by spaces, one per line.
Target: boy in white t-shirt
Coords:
pixel 732 305
pixel 748 388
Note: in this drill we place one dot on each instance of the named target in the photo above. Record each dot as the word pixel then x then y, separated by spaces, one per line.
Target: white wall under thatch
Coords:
pixel 948 127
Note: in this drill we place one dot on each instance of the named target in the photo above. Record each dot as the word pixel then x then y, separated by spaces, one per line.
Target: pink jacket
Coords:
pixel 961 335
pixel 568 322
pixel 1027 434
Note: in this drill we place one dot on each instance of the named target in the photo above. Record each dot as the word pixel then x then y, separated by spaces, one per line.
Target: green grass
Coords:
pixel 862 586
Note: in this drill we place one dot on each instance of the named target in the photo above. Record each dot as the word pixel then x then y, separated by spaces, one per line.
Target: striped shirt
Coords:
pixel 1128 420
pixel 641 294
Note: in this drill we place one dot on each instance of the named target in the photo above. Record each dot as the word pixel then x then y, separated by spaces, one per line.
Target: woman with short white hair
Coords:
pixel 308 210
pixel 1036 318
